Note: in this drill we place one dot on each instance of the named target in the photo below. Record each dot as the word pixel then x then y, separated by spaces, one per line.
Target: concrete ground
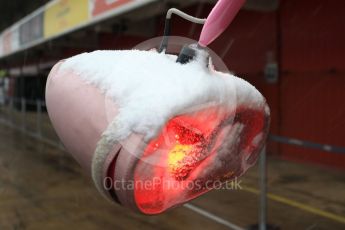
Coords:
pixel 41 187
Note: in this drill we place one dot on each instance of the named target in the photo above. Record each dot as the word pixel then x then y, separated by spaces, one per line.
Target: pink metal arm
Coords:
pixel 218 20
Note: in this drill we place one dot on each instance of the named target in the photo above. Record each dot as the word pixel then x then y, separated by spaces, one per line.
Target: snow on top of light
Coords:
pixel 149 88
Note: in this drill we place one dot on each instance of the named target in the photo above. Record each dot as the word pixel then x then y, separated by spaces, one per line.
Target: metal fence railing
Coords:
pixel 29 117
pixel 307 144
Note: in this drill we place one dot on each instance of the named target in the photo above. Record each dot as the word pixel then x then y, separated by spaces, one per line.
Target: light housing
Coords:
pixel 192 153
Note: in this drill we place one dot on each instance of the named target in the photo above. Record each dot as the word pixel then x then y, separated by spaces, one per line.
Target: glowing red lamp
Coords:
pixel 192 152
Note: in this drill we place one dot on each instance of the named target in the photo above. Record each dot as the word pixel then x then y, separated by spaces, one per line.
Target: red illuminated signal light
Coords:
pixel 194 150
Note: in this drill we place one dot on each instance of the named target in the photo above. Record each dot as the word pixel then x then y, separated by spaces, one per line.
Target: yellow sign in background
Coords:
pixel 63 15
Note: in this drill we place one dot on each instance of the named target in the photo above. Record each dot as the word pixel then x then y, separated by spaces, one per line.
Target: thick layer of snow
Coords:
pixel 150 87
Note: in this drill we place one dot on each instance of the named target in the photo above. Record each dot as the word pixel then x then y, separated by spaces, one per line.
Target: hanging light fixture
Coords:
pixel 155 130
